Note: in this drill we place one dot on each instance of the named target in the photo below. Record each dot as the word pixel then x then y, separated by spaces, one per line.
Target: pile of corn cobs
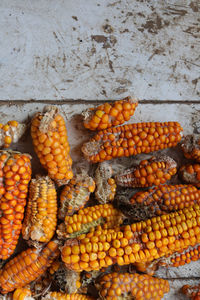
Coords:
pixel 78 250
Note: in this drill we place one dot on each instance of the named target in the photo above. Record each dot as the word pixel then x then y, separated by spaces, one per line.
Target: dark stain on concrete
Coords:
pixel 108 42
pixel 153 24
pixel 107 28
pixel 194 6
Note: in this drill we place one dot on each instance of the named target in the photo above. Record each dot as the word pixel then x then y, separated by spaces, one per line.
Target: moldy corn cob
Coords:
pixel 62 296
pixel 41 212
pixel 191 146
pixel 115 286
pixel 154 171
pixel 131 139
pixel 190 174
pixel 50 142
pixel 140 242
pixel 193 292
pixel 158 200
pixel 75 194
pixel 22 294
pixel 27 266
pixel 15 174
pixel 11 133
pixel 105 184
pixel 89 217
pixel 109 114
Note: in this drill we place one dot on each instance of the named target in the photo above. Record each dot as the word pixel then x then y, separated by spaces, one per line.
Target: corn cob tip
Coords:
pixel 90 148
pixel 191 146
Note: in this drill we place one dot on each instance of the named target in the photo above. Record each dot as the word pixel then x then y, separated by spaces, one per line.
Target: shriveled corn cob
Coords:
pixel 22 294
pixel 115 286
pixel 41 213
pixel 50 142
pixel 190 174
pixel 131 139
pixel 159 200
pixel 27 266
pixel 109 114
pixel 191 146
pixel 154 171
pixel 62 296
pixel 75 195
pixel 11 132
pixel 140 242
pixel 105 184
pixel 88 218
pixel 15 174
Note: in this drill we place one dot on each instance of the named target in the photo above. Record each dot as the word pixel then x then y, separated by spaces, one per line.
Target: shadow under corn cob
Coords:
pixel 154 171
pixel 15 174
pixel 27 266
pixel 49 135
pixel 131 139
pixel 140 242
pixel 158 200
pixel 41 212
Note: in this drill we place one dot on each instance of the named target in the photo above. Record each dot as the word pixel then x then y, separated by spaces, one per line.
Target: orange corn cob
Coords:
pixel 62 296
pixel 75 195
pixel 41 213
pixel 50 142
pixel 140 242
pixel 11 133
pixel 131 139
pixel 26 267
pixel 154 171
pixel 105 185
pixel 88 218
pixel 22 294
pixel 15 174
pixel 109 114
pixel 191 146
pixel 190 174
pixel 193 292
pixel 159 200
pixel 54 267
pixel 115 286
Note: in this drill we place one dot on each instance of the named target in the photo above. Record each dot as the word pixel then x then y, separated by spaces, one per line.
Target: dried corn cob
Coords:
pixel 54 267
pixel 62 296
pixel 191 146
pixel 50 142
pixel 190 174
pixel 15 174
pixel 131 139
pixel 22 294
pixel 132 286
pixel 41 214
pixel 193 292
pixel 109 114
pixel 75 195
pixel 141 242
pixel 105 185
pixel 27 266
pixel 88 218
pixel 11 133
pixel 159 200
pixel 154 171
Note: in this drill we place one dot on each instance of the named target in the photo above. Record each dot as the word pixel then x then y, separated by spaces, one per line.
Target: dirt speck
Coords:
pixel 120 90
pixel 194 6
pixel 107 28
pixel 75 18
pixel 108 42
pixel 99 38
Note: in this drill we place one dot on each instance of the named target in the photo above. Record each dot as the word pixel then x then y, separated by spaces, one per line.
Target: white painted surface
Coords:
pixel 99 49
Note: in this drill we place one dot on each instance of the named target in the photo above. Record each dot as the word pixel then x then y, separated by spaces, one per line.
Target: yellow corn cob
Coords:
pixel 115 286
pixel 26 267
pixel 191 146
pixel 11 133
pixel 50 142
pixel 154 171
pixel 190 174
pixel 62 296
pixel 41 214
pixel 22 294
pixel 88 218
pixel 75 195
pixel 105 185
pixel 15 174
pixel 159 200
pixel 140 242
pixel 131 139
pixel 109 114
